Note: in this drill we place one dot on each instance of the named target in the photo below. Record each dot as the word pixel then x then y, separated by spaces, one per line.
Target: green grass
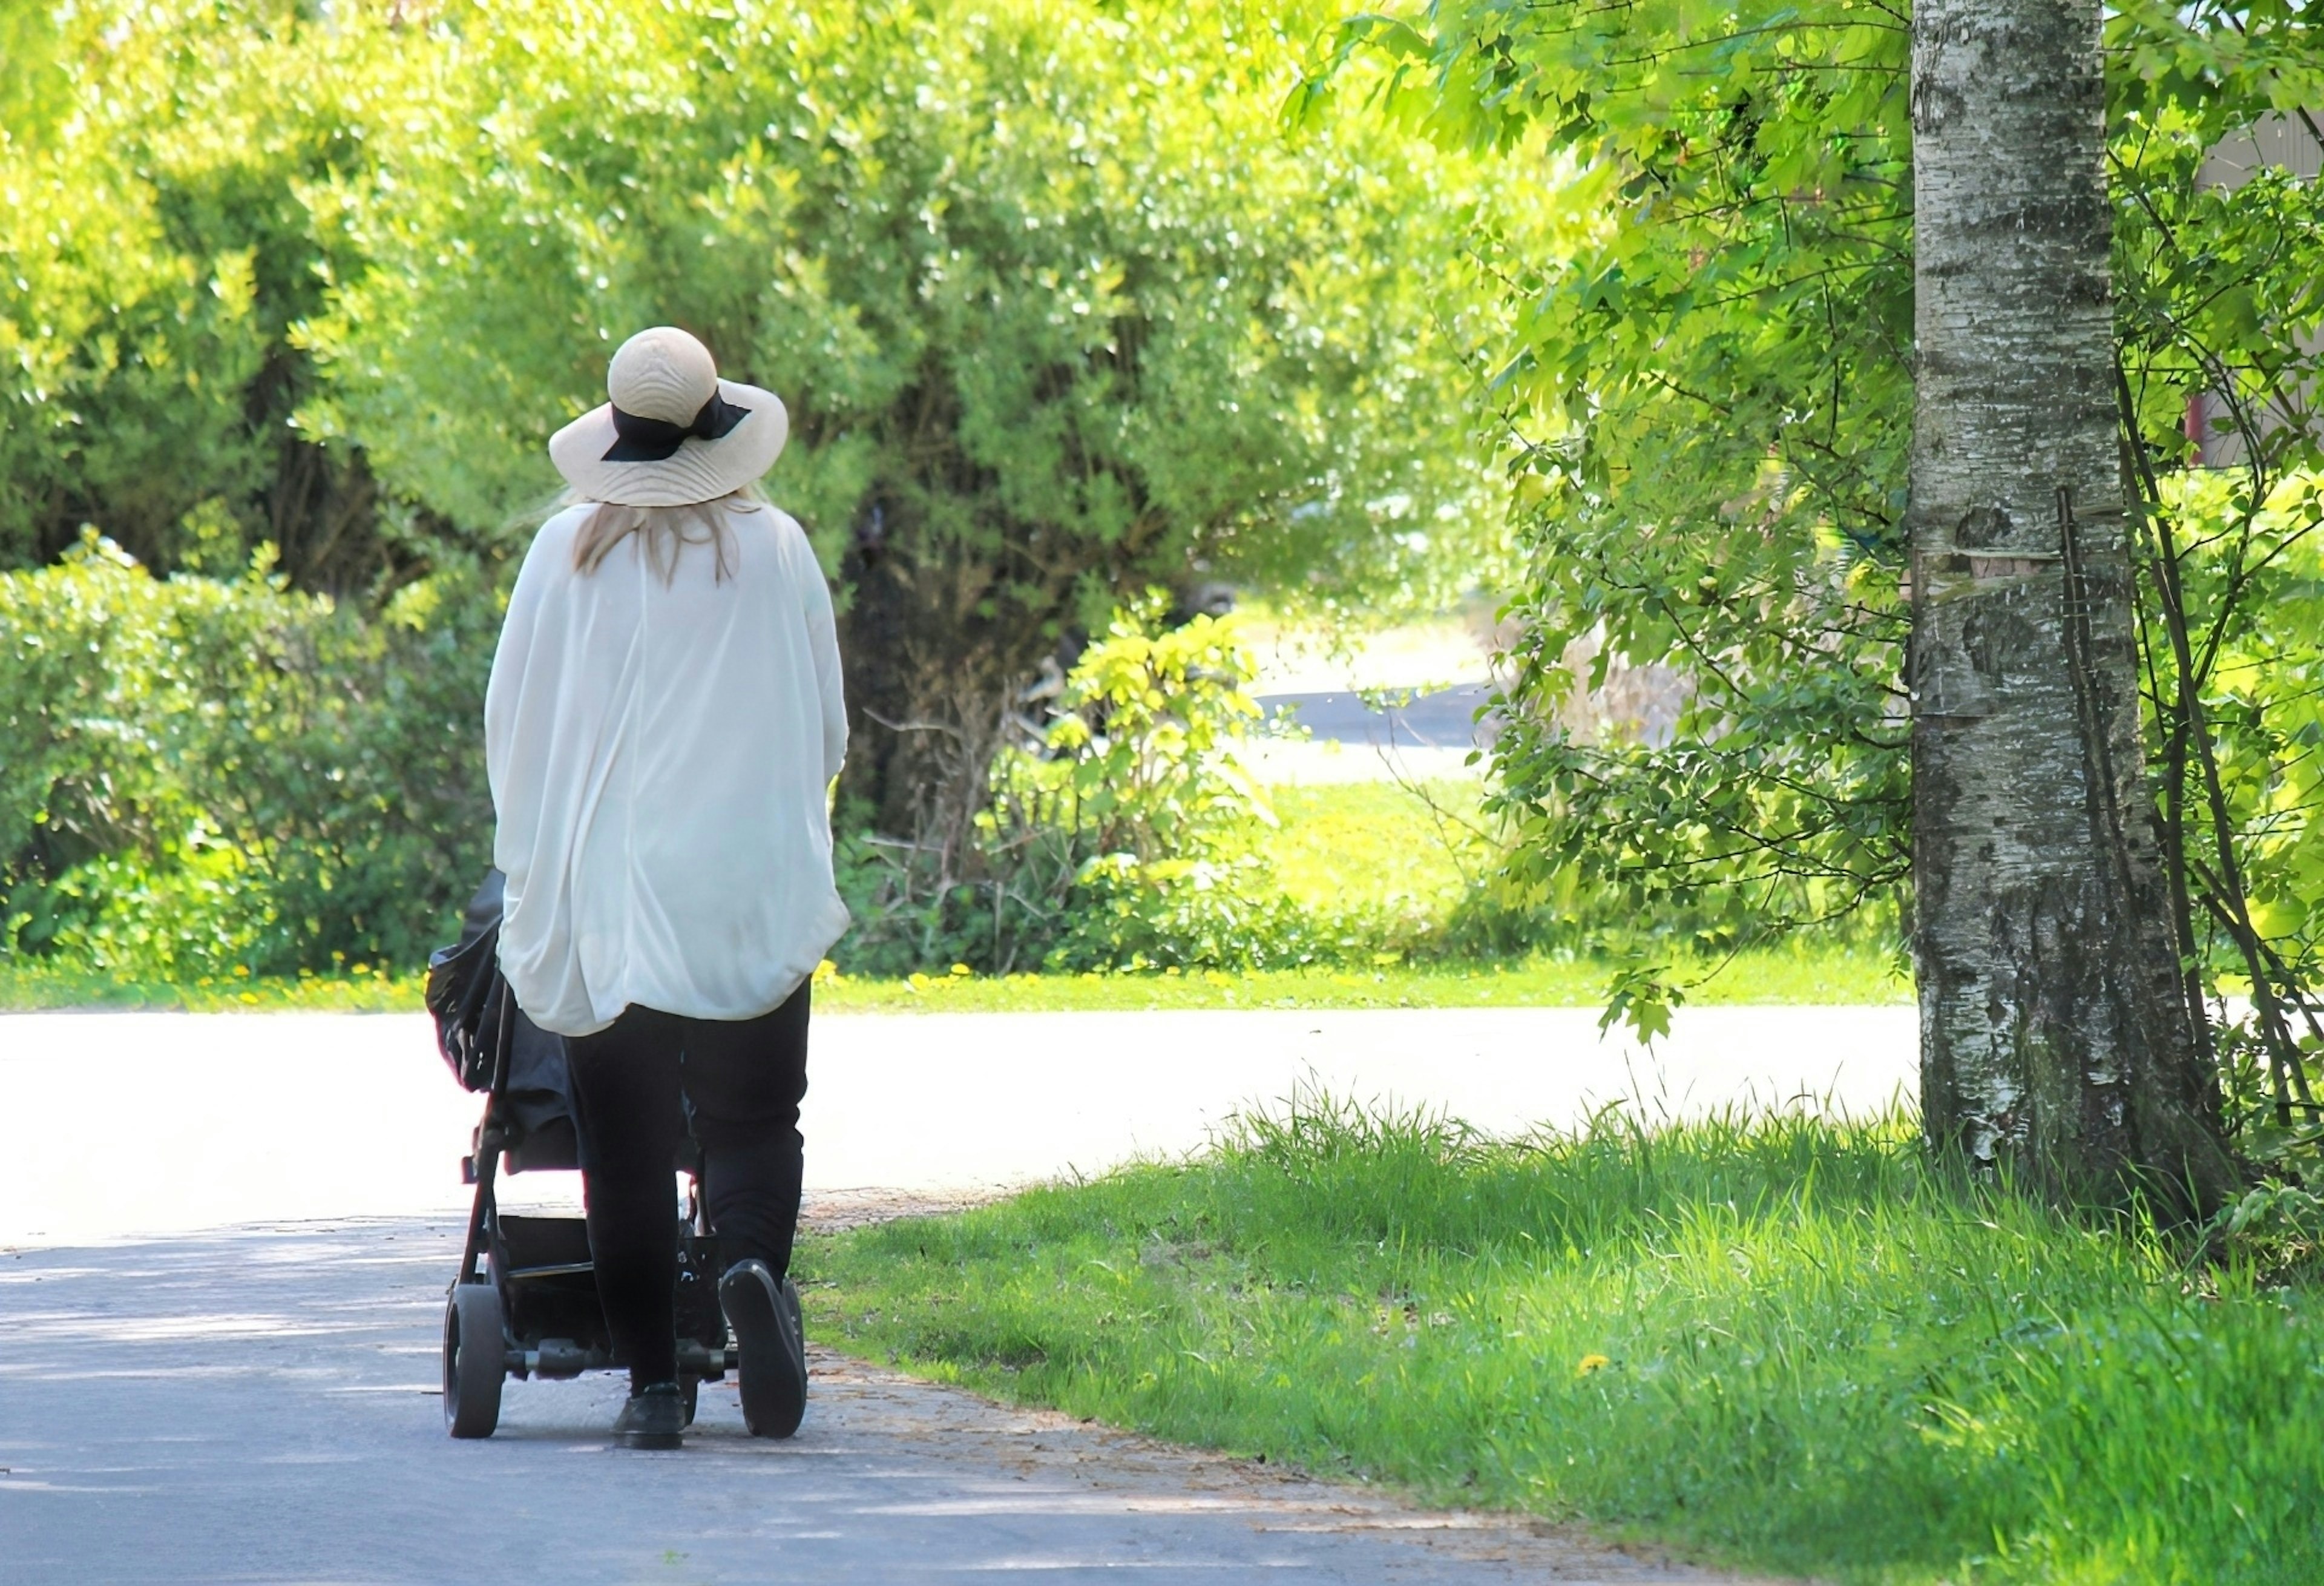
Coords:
pixel 1378 846
pixel 1784 1344
pixel 34 983
pixel 1804 972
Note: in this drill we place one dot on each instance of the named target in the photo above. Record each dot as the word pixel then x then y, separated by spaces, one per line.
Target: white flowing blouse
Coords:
pixel 659 757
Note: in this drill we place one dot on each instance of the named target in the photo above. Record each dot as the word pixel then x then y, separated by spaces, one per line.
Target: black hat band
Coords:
pixel 655 440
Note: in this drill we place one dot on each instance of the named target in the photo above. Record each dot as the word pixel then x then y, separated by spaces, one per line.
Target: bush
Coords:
pixel 201 775
pixel 1127 833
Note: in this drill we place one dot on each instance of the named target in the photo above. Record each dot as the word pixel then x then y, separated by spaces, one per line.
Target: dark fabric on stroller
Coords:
pixel 465 994
pixel 463 985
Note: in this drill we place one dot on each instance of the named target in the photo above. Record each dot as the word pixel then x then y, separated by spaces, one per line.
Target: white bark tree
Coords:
pixel 2055 1038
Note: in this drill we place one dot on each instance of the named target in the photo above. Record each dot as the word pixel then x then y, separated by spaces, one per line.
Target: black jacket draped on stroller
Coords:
pixel 470 1003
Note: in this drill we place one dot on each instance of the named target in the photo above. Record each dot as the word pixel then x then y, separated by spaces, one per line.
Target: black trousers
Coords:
pixel 634 1086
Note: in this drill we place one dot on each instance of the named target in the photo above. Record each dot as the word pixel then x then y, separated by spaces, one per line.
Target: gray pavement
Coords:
pixel 1444 718
pixel 218 1118
pixel 187 1402
pixel 261 1405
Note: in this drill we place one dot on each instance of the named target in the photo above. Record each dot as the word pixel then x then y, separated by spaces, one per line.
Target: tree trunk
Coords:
pixel 2054 1039
pixel 933 679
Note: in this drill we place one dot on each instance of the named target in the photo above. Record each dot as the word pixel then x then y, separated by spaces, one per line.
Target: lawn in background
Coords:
pixel 1383 845
pixel 1782 1343
pixel 1806 972
pixel 1803 973
pixel 34 983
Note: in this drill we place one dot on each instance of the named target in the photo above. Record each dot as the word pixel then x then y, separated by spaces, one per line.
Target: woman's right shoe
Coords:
pixel 765 1317
pixel 655 1418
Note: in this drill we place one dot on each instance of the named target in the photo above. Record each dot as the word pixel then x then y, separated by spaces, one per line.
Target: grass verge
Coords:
pixel 29 985
pixel 1802 973
pixel 1785 1344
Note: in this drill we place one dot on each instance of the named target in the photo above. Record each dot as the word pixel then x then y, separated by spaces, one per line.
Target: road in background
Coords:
pixel 1442 718
pixel 1440 671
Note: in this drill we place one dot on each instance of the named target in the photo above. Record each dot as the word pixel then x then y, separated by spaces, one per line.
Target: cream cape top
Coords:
pixel 659 757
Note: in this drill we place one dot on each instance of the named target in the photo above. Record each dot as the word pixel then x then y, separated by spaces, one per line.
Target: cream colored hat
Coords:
pixel 673 433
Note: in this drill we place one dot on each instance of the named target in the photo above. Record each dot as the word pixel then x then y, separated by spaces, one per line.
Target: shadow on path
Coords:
pixel 261 1405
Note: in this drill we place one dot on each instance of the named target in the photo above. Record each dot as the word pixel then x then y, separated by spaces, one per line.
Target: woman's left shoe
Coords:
pixel 764 1312
pixel 654 1418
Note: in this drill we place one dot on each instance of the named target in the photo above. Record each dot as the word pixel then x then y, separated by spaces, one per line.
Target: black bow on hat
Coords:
pixel 651 440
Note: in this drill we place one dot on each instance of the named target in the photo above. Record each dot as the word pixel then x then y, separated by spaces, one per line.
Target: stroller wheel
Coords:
pixel 475 1359
pixel 689 1394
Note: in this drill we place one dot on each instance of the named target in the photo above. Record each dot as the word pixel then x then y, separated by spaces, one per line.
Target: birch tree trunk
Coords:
pixel 2055 1038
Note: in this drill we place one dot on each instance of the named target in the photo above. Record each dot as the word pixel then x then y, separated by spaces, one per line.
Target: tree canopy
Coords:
pixel 1710 383
pixel 1057 311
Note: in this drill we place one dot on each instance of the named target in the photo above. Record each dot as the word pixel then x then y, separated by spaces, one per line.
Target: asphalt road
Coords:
pixel 1445 718
pixel 208 1119
pixel 262 1406
pixel 186 1403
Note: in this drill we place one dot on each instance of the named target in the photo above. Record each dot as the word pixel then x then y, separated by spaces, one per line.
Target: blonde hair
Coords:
pixel 664 532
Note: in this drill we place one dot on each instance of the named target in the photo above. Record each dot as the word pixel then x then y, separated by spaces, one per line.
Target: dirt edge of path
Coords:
pixel 1037 1441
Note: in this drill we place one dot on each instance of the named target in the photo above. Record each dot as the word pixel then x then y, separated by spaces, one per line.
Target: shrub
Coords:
pixel 1127 833
pixel 201 774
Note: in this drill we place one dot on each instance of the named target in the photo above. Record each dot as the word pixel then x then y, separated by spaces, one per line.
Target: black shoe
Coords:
pixel 651 1419
pixel 765 1317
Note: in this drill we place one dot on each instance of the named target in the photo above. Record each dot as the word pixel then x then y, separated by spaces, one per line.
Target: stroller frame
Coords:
pixel 525 1301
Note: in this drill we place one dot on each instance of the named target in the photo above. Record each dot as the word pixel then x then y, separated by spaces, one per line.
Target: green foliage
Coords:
pixel 1036 277
pixel 1710 379
pixel 1130 836
pixel 155 255
pixel 1145 756
pixel 2278 1227
pixel 1791 1343
pixel 1145 787
pixel 199 775
pixel 1641 996
pixel 193 910
pixel 2219 304
pixel 1056 311
pixel 33 91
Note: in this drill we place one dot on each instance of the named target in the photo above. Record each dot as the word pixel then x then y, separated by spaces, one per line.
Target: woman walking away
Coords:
pixel 662 728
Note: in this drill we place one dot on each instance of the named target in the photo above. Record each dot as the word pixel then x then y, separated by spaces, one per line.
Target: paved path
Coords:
pixel 212 1120
pixel 259 1403
pixel 260 1406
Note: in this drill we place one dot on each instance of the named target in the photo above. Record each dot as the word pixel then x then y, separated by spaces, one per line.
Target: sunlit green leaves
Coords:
pixel 1150 738
pixel 1712 374
pixel 202 773
pixel 1041 278
pixel 1709 377
pixel 152 251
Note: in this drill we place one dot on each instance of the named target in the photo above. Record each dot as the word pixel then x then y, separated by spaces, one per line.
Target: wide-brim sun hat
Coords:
pixel 673 433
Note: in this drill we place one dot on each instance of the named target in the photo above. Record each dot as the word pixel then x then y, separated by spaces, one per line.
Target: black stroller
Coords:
pixel 525 1302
